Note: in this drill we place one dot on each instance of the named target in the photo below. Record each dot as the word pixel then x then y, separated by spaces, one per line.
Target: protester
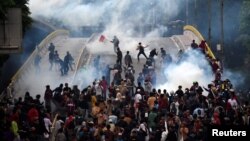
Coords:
pixel 119 56
pixel 128 59
pixel 194 45
pixel 141 51
pixel 115 42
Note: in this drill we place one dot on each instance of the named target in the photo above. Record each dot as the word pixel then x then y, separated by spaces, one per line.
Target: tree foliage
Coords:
pixel 26 19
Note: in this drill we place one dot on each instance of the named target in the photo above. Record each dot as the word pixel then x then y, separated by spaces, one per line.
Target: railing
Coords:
pixel 200 37
pixel 42 50
pixel 84 56
pixel 178 42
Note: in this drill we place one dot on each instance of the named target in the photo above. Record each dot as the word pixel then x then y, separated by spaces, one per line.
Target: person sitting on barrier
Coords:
pixel 203 46
pixel 194 45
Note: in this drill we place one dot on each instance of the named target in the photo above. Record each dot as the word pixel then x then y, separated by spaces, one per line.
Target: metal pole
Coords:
pixel 209 23
pixel 222 28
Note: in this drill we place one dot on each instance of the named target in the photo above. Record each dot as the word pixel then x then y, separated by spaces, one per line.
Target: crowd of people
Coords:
pixel 125 109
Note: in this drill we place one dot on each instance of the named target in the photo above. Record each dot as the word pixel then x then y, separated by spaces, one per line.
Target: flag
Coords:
pixel 102 38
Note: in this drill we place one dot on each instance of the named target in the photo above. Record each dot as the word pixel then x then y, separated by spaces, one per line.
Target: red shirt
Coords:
pixel 33 114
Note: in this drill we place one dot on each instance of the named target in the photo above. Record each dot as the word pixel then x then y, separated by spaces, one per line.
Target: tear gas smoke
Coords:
pixel 192 67
pixel 122 18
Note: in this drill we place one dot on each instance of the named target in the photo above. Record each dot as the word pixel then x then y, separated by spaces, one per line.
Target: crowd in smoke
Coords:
pixel 117 112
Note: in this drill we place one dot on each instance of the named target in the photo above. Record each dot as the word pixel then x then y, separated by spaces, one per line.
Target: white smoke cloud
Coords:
pixel 119 17
pixel 193 67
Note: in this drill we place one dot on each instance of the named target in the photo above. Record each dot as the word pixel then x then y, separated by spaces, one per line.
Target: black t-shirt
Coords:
pixel 194 45
pixel 180 93
pixel 153 53
pixel 119 54
pixel 141 48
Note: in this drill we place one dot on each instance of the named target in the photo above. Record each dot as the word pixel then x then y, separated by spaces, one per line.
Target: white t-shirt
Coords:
pixel 58 125
pixel 177 107
pixel 233 103
pixel 47 123
pixel 98 90
pixel 138 97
